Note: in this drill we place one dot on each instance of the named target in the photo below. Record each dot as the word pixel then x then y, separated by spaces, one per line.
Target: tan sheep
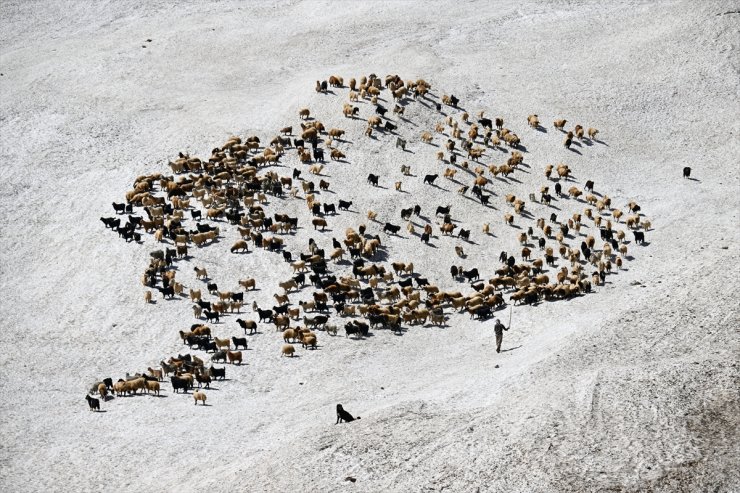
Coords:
pixel 533 121
pixel 486 228
pixel 199 395
pixel 152 386
pixel 304 113
pixel 147 296
pixel 559 124
pixel 287 350
pixel 592 133
pixel 374 121
pixel 509 219
pixel 336 132
pixel 371 215
pixel 426 137
pixel 247 284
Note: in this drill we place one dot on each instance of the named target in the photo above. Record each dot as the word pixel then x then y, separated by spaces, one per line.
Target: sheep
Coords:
pixel 319 222
pixel 288 285
pixel 486 228
pixel 459 251
pixel 152 386
pixel 509 219
pixel 426 137
pixel 316 169
pixel 533 121
pixel 234 356
pixel 240 245
pixel 372 215
pixel 201 273
pixel 559 124
pixel 304 113
pixel 222 343
pixel 592 133
pixel 287 350
pixel 247 284
pixel 337 155
pixel 199 395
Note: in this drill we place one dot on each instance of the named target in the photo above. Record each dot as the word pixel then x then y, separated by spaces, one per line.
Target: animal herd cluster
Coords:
pixel 239 187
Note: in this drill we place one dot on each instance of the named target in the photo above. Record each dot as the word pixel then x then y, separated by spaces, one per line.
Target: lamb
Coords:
pixel 199 396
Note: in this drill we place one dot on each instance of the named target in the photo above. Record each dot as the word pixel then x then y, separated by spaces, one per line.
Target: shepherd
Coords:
pixel 499 329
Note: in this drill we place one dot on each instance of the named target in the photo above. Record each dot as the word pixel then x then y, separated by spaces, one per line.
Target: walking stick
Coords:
pixel 510 309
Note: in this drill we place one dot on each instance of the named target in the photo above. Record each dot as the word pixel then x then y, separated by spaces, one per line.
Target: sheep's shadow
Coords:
pixel 540 128
pixel 574 150
pixel 693 179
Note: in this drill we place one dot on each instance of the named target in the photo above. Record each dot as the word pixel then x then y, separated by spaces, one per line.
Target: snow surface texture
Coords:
pixel 631 388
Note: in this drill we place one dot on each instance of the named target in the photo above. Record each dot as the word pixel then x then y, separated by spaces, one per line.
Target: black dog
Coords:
pixel 95 405
pixel 343 415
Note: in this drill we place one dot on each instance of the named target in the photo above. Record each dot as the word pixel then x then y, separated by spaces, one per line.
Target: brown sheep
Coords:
pixel 426 137
pixel 526 253
pixel 304 113
pixel 336 155
pixel 533 121
pixel 287 350
pixel 559 124
pixel 336 132
pixel 240 245
pixel 592 133
pixel 234 356
pixel 147 296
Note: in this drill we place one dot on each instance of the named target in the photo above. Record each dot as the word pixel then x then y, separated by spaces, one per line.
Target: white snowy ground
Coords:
pixel 631 388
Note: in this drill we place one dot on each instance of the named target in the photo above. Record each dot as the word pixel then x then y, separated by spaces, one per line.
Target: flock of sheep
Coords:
pixel 239 184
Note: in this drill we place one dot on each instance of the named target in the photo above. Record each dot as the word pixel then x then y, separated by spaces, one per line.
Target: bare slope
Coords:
pixel 631 388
